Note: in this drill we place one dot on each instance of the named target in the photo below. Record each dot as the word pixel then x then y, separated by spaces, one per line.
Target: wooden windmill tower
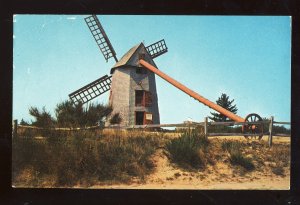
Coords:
pixel 132 87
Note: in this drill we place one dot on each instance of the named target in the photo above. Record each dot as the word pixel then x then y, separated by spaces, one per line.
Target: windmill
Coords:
pixel 132 87
pixel 132 84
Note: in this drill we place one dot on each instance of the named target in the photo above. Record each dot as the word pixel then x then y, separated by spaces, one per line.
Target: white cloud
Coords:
pixel 71 18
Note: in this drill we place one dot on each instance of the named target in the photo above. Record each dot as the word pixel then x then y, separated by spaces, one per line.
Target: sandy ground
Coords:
pixel 219 176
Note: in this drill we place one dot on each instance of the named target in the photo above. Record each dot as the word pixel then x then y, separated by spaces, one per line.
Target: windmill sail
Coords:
pixel 157 49
pixel 92 90
pixel 100 37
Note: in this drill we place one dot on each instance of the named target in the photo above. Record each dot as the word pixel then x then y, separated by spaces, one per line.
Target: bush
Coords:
pixel 236 156
pixel 70 114
pixel 42 118
pixel 231 146
pixel 115 119
pixel 188 150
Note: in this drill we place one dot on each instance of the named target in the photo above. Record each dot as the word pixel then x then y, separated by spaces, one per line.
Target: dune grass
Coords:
pixel 188 150
pixel 90 157
pixel 236 156
pixel 81 159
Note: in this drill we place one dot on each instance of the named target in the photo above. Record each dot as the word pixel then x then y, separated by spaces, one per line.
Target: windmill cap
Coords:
pixel 129 58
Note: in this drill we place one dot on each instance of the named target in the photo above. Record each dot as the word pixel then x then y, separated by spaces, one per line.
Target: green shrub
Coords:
pixel 70 114
pixel 231 146
pixel 188 150
pixel 115 119
pixel 236 156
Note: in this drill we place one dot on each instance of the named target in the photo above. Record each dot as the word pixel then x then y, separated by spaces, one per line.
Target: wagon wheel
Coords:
pixel 253 128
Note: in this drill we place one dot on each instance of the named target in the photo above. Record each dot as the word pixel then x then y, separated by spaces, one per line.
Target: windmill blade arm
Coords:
pixel 91 90
pixel 100 37
pixel 157 49
pixel 192 93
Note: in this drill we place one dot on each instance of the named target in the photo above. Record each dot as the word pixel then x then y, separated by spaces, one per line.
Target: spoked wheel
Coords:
pixel 253 128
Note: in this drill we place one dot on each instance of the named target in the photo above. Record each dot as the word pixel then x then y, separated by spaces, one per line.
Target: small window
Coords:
pixel 141 71
pixel 139 97
pixel 143 98
pixel 143 118
pixel 141 56
pixel 148 99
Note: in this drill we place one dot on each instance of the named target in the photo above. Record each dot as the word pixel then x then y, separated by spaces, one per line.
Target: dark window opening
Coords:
pixel 141 56
pixel 143 98
pixel 141 71
pixel 148 99
pixel 139 118
pixel 139 97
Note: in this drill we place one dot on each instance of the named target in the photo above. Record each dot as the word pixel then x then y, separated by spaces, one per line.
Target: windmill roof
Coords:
pixel 126 57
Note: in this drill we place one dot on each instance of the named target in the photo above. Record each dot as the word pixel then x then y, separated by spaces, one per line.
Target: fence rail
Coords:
pixel 187 124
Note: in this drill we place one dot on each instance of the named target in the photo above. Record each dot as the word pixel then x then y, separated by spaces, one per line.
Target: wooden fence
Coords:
pixel 188 125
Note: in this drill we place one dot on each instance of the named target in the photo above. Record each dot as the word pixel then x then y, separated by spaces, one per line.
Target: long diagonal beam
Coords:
pixel 192 93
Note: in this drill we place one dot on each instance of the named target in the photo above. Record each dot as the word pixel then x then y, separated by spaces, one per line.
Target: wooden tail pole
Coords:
pixel 192 93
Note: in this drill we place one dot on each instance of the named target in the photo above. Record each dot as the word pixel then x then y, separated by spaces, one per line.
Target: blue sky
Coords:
pixel 246 57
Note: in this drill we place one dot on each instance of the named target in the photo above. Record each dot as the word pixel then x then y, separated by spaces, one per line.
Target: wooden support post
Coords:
pixel 271 131
pixel 15 128
pixel 205 127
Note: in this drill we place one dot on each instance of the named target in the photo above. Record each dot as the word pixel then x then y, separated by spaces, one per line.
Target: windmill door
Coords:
pixel 143 118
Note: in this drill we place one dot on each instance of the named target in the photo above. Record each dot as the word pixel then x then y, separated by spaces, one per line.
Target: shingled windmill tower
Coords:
pixel 132 87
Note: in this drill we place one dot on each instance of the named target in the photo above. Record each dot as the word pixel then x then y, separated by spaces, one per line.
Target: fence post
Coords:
pixel 205 127
pixel 15 128
pixel 271 131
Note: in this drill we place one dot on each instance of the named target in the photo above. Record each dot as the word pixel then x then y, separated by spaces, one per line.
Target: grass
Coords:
pixel 236 156
pixel 91 157
pixel 188 150
pixel 281 156
pixel 81 159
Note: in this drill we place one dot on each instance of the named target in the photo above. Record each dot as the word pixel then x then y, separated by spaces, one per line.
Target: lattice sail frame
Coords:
pixel 157 49
pixel 92 90
pixel 100 37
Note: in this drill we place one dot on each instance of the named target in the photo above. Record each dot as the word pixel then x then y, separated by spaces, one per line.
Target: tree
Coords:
pixel 42 118
pixel 23 122
pixel 95 113
pixel 224 102
pixel 70 114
